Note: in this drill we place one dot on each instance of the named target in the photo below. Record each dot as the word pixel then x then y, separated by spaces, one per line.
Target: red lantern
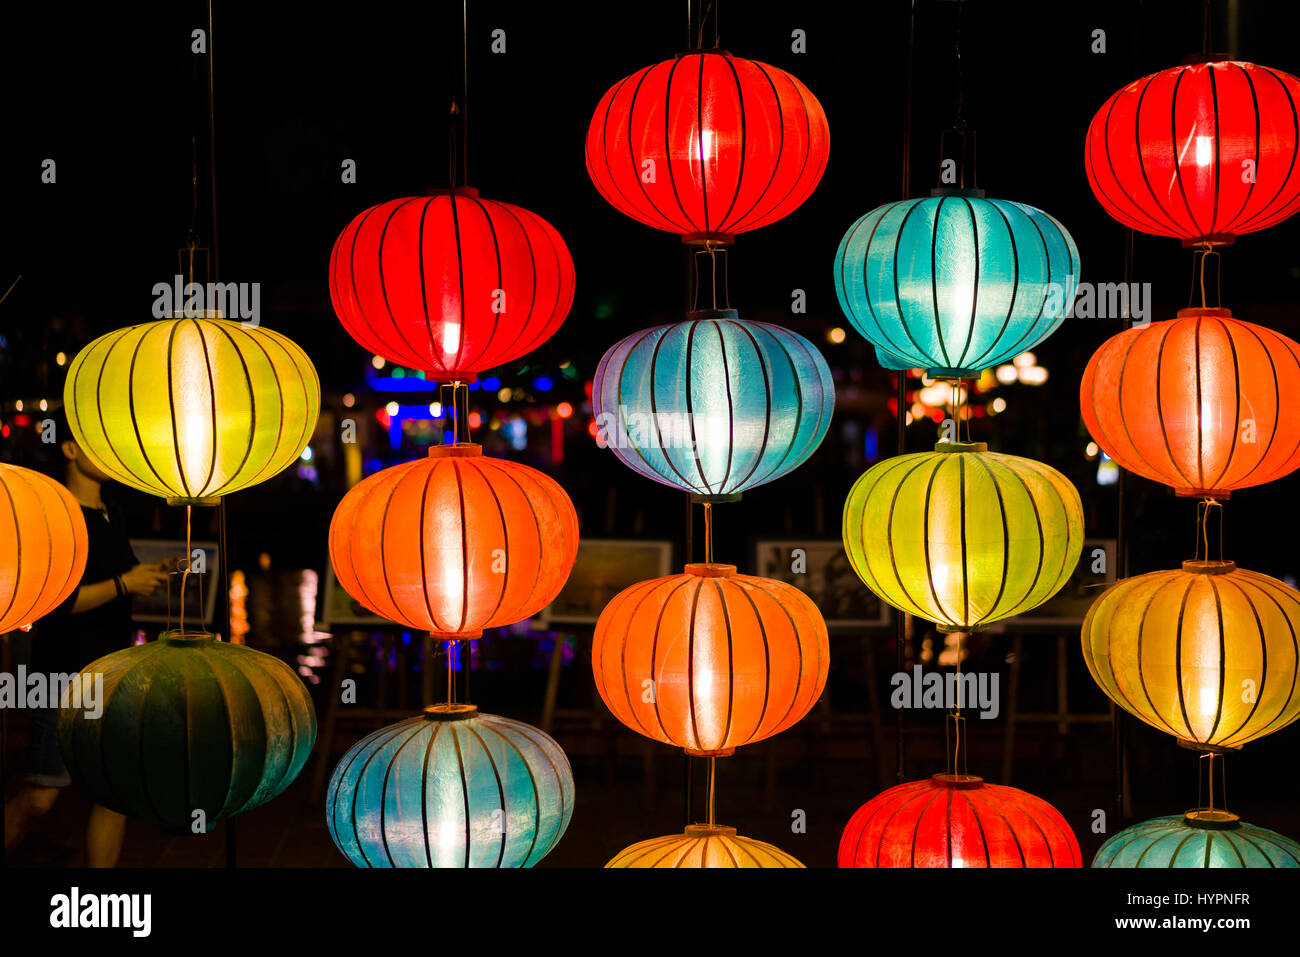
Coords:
pixel 454 543
pixel 956 820
pixel 1204 403
pixel 707 145
pixel 1202 152
pixel 450 283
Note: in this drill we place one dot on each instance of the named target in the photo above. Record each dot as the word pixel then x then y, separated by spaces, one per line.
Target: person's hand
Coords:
pixel 144 579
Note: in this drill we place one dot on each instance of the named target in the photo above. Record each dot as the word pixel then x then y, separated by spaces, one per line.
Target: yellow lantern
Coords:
pixel 962 536
pixel 191 409
pixel 1206 653
pixel 703 845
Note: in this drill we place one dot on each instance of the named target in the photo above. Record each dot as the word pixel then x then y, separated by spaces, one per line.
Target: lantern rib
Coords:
pixel 290 718
pixel 690 404
pixel 484 360
pixel 781 724
pixel 640 213
pixel 424 788
pixel 135 425
pixel 1266 588
pixel 934 275
pixel 1124 215
pixel 1288 207
pixel 866 255
pixel 824 388
pixel 464 547
pixel 505 543
pixel 1250 188
pixel 975 276
pixel 391 733
pixel 1015 837
pixel 1141 669
pixel 608 101
pixel 389 765
pixel 1178 662
pixel 916 827
pixel 367 336
pixel 501 795
pixel 460 278
pixel 925 548
pixel 403 613
pixel 731 662
pixel 731 402
pixel 961 519
pixel 18 551
pixel 496 251
pixel 233 481
pixel 690 668
pixel 1015 289
pixel 1028 334
pixel 544 752
pixel 898 292
pixel 1236 415
pixel 649 590
pixel 1038 526
pixel 1178 228
pixel 1132 337
pixel 74 419
pixel 1277 404
pixel 724 221
pixel 649 471
pixel 141 754
pixel 414 354
pixel 654 408
pixel 699 129
pixel 351 542
pixel 464 790
pixel 1196 230
pixel 893 558
pixel 212 405
pixel 760 353
pixel 1160 414
pixel 668 159
pixel 984 839
pixel 1218 142
pixel 654 661
pixel 742 222
pixel 1006 540
pixel 1223 653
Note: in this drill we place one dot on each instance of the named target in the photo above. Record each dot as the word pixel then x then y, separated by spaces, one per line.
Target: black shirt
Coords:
pixel 65 643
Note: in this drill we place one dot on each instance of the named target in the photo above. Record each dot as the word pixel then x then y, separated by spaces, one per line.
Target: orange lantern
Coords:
pixel 1199 402
pixel 43 546
pixel 709 660
pixel 454 543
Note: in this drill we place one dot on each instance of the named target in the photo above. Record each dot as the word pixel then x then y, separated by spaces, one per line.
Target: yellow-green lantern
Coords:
pixel 962 536
pixel 191 409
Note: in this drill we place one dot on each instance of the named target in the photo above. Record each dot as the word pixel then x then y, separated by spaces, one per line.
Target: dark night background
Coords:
pixel 111 96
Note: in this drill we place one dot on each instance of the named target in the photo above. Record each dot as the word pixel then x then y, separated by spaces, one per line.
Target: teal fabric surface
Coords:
pixel 1172 842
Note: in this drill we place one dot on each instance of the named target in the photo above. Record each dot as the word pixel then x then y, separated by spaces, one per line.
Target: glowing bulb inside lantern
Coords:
pixel 1204 150
pixel 450 337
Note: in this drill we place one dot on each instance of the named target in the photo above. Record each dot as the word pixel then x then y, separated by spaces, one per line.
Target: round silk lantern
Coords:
pixel 954 283
pixel 703 846
pixel 192 409
pixel 454 543
pixel 707 145
pixel 43 546
pixel 1203 152
pixel 450 283
pixel 957 820
pixel 1207 653
pixel 188 724
pixel 961 536
pixel 714 405
pixel 709 660
pixel 451 788
pixel 1204 403
pixel 1181 841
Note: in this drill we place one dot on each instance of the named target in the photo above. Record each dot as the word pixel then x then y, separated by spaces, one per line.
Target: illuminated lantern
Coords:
pixel 1203 152
pixel 450 788
pixel 714 405
pixel 192 409
pixel 450 283
pixel 1204 403
pixel 42 546
pixel 961 536
pixel 707 145
pixel 733 658
pixel 703 846
pixel 1206 653
pixel 1183 841
pixel 957 820
pixel 454 543
pixel 189 724
pixel 954 283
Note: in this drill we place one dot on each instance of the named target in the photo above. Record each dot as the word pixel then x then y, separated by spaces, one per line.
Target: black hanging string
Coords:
pixel 458 139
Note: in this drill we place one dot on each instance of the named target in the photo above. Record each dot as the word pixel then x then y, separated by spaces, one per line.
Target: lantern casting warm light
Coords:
pixel 962 536
pixel 1204 403
pixel 454 543
pixel 192 409
pixel 451 788
pixel 43 546
pixel 1207 653
pixel 707 145
pixel 731 659
pixel 957 820
pixel 1203 152
pixel 450 283
pixel 955 283
pixel 703 846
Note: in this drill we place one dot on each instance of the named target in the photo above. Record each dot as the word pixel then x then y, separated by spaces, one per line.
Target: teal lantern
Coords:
pixel 189 724
pixel 954 283
pixel 450 788
pixel 714 405
pixel 1184 841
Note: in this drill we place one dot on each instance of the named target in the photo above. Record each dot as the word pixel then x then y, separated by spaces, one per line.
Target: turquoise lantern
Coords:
pixel 188 724
pixel 955 283
pixel 714 405
pixel 1184 841
pixel 450 788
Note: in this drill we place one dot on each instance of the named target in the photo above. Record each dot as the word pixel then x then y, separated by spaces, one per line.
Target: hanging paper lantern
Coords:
pixel 451 788
pixel 956 820
pixel 714 405
pixel 43 546
pixel 709 660
pixel 1207 654
pixel 188 724
pixel 454 543
pixel 1203 152
pixel 1178 841
pixel 961 536
pixel 954 283
pixel 707 145
pixel 1204 403
pixel 192 409
pixel 703 846
pixel 450 283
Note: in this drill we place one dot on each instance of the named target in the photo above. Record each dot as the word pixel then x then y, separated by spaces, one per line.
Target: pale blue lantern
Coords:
pixel 451 788
pixel 1180 841
pixel 714 405
pixel 955 283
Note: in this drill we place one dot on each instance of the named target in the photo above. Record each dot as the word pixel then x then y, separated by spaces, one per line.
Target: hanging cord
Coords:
pixel 953 743
pixel 708 533
pixel 185 569
pixel 1199 257
pixel 1206 9
pixel 1209 758
pixel 458 135
pixel 1203 529
pixel 713 770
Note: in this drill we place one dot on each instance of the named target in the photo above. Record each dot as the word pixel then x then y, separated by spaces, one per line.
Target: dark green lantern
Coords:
pixel 188 724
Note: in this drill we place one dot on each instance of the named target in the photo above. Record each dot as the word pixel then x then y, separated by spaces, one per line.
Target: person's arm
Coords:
pixel 140 580
pixel 94 595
